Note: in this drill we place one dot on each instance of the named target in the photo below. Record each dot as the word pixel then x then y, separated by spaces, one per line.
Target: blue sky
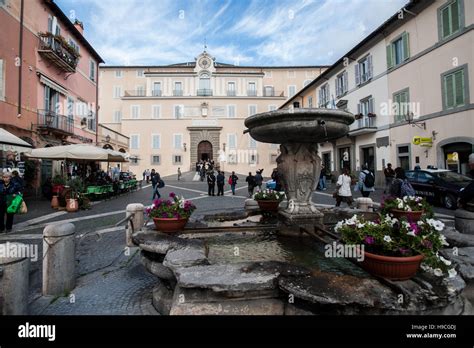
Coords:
pixel 244 32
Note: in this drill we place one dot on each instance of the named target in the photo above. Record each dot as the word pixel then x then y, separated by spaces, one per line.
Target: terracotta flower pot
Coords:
pixel 170 225
pixel 72 205
pixel 391 267
pixel 413 216
pixel 54 202
pixel 268 205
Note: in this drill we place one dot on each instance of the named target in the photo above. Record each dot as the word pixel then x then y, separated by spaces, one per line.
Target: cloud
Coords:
pixel 248 32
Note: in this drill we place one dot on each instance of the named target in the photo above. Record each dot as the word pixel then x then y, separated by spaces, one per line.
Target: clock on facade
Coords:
pixel 204 63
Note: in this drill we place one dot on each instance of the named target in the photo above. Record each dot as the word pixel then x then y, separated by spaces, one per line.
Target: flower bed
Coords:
pixel 176 207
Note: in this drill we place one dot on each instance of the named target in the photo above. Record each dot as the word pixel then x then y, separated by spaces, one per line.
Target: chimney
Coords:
pixel 79 26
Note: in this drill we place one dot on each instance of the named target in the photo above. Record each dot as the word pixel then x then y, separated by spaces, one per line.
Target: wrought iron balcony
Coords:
pixel 58 51
pixel 52 121
pixel 251 93
pixel 135 93
pixel 156 93
pixel 178 93
pixel 231 93
pixel 204 92
pixel 364 125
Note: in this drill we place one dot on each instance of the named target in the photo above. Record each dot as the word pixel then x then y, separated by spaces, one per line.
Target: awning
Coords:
pixel 78 152
pixel 51 84
pixel 10 142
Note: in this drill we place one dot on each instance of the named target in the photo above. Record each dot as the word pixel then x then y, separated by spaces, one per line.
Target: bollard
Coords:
pixel 464 221
pixel 59 259
pixel 137 210
pixel 365 204
pixel 14 280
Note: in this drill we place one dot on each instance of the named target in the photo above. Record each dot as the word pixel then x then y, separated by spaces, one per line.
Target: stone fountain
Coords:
pixel 299 131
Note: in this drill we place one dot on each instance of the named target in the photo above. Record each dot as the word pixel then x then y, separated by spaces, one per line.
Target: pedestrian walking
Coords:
pixel 155 180
pixel 322 178
pixel 233 182
pixel 343 191
pixel 250 180
pixel 259 179
pixel 179 174
pixel 211 183
pixel 401 187
pixel 220 183
pixel 8 191
pixel 366 183
pixel 276 178
pixel 389 174
pixel 148 176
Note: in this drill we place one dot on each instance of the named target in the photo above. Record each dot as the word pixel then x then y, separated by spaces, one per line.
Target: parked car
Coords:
pixel 439 186
pixel 270 184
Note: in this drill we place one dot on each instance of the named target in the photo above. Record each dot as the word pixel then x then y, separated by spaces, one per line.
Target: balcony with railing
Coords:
pixel 178 93
pixel 270 92
pixel 363 125
pixel 231 93
pixel 58 51
pixel 135 93
pixel 54 122
pixel 156 93
pixel 251 93
pixel 204 92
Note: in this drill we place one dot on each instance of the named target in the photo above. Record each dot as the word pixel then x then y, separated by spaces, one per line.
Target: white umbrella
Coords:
pixel 10 142
pixel 77 152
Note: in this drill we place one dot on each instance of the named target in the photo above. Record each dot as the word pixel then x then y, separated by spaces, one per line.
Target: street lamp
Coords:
pixel 409 117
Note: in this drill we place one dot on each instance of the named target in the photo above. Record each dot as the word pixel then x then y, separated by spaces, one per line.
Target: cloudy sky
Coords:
pixel 244 32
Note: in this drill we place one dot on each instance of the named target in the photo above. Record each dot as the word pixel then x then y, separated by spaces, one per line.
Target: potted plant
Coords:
pixel 58 184
pixel 358 116
pixel 76 187
pixel 269 200
pixel 394 248
pixel 171 215
pixel 410 207
pixel 371 114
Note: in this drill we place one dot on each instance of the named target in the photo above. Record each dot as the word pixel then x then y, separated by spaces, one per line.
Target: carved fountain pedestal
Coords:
pixel 299 131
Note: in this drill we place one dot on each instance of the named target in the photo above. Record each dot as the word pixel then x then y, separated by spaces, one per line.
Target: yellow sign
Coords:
pixel 422 141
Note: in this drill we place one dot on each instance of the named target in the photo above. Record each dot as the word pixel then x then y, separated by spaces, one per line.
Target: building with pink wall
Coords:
pixel 48 75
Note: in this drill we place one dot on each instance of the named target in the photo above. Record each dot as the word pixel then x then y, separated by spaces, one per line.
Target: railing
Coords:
pixel 204 92
pixel 231 93
pixel 178 93
pixel 366 122
pixel 251 93
pixel 58 51
pixel 272 93
pixel 156 93
pixel 135 93
pixel 51 120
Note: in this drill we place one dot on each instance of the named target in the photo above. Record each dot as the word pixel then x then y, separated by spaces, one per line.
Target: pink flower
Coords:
pixel 172 195
pixel 369 240
pixel 415 228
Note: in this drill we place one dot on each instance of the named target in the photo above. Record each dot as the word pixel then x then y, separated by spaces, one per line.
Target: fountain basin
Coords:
pixel 299 125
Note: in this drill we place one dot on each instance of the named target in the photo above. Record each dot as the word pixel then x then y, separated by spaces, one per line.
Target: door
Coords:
pixel 205 151
pixel 368 158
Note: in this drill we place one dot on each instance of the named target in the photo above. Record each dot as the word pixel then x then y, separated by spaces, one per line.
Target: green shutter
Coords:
pixel 445 22
pixel 389 56
pixel 406 46
pixel 455 14
pixel 449 91
pixel 459 88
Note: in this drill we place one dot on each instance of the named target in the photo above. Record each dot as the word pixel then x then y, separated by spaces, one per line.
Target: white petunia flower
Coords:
pixel 445 261
pixel 400 206
pixel 387 239
pixel 359 225
pixel 452 273
pixel 411 233
pixel 438 272
pixel 443 241
pixel 436 224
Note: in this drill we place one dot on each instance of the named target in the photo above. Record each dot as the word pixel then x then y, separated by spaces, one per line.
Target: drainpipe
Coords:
pixel 97 107
pixel 20 54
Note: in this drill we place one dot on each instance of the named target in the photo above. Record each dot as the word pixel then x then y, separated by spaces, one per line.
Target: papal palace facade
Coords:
pixel 178 114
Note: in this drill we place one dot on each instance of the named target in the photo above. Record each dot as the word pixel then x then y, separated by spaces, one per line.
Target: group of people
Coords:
pixel 11 185
pixel 219 180
pixel 204 167
pixel 396 184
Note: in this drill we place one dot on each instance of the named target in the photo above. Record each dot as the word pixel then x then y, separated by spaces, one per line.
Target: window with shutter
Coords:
pixel 450 18
pixel 369 71
pixel 390 56
pixel 346 82
pixel 117 116
pixel 454 88
pixel 357 74
pixel 156 141
pixel 156 110
pixel 406 46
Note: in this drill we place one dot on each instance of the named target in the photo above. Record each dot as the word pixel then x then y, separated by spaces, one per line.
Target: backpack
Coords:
pixel 230 180
pixel 406 189
pixel 161 183
pixel 369 180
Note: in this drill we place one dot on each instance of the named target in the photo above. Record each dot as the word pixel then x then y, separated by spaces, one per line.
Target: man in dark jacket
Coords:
pixel 233 182
pixel 259 179
pixel 8 190
pixel 211 183
pixel 155 179
pixel 220 183
pixel 250 180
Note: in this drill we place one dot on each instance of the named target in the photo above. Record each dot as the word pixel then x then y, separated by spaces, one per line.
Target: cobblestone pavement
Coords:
pixel 110 281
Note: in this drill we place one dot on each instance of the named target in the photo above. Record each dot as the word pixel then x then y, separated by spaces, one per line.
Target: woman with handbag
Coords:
pixel 8 191
pixel 343 191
